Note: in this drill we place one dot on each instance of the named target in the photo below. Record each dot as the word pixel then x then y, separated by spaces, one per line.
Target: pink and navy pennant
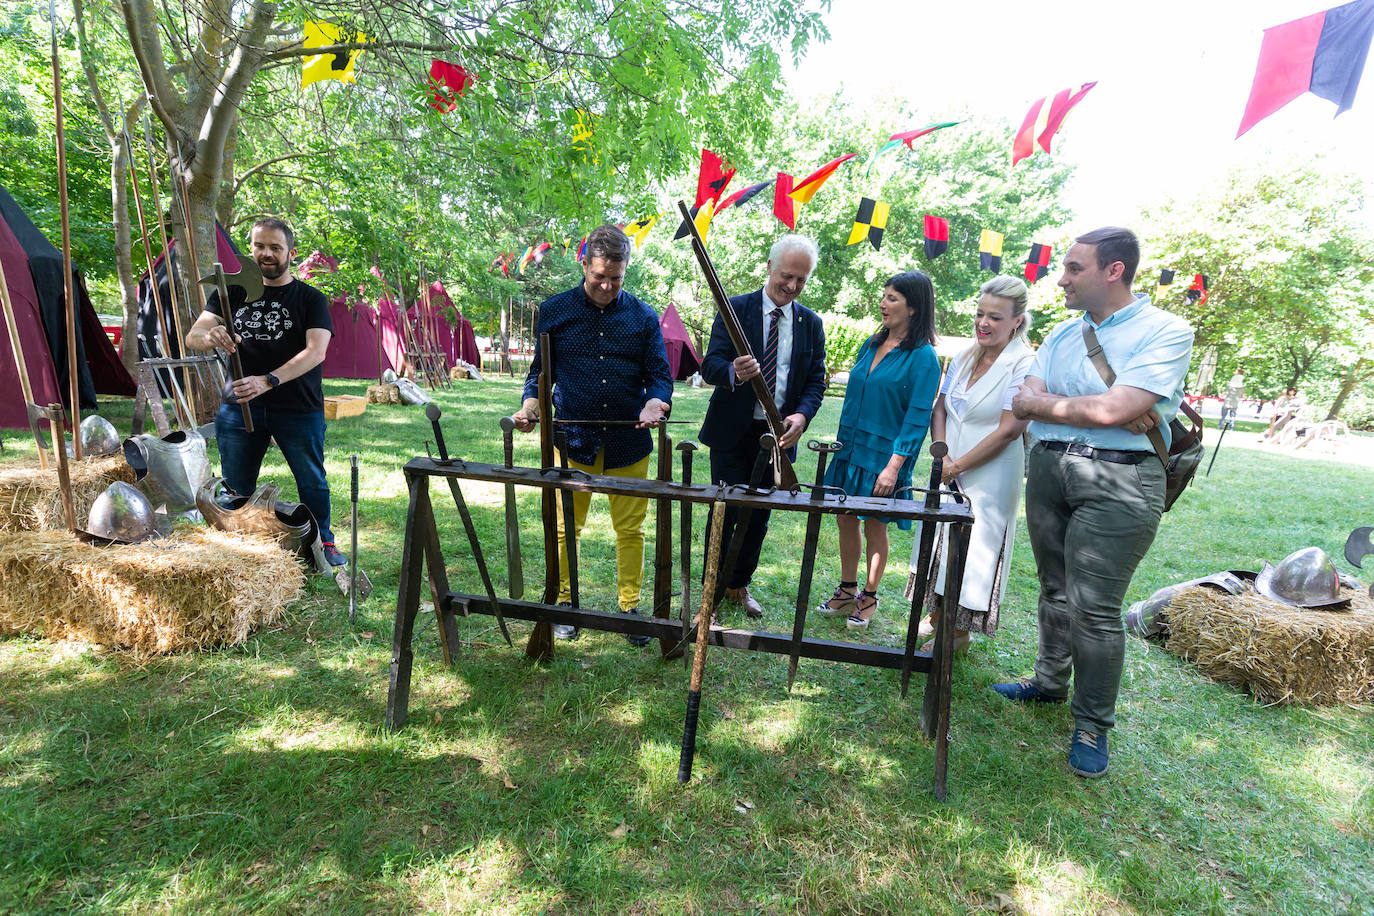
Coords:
pixel 1323 54
pixel 743 196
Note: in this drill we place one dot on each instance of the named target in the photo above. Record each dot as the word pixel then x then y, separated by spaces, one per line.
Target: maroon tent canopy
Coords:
pixel 353 348
pixel 682 356
pixel 33 274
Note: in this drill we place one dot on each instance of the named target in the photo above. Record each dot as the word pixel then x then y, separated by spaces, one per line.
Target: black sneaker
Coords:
pixel 332 554
pixel 638 640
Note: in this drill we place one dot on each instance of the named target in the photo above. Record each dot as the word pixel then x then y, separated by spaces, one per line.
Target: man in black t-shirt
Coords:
pixel 281 340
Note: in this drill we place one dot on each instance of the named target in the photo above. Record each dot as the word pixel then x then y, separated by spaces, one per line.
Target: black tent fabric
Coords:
pixel 99 370
pixel 150 335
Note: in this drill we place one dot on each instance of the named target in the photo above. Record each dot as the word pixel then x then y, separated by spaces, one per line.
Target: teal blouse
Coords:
pixel 886 411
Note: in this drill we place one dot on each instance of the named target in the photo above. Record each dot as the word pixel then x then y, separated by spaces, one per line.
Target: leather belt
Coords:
pixel 1101 454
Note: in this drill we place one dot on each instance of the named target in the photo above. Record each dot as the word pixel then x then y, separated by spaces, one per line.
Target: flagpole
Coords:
pixel 67 291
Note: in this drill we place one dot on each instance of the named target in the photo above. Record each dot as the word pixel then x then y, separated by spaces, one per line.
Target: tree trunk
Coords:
pixel 1357 373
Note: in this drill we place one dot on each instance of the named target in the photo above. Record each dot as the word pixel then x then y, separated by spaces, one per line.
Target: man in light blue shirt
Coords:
pixel 1095 489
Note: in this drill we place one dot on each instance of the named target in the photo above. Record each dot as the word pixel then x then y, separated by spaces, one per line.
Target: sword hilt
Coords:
pixel 508 439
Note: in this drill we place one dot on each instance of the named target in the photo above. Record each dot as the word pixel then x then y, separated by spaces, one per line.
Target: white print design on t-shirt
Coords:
pixel 262 320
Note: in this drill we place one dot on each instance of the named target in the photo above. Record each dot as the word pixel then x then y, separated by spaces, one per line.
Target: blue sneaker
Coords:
pixel 1023 691
pixel 331 553
pixel 1088 754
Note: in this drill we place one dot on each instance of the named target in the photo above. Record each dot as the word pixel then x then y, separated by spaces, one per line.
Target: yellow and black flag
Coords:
pixel 639 229
pixel 335 65
pixel 990 251
pixel 1166 280
pixel 869 223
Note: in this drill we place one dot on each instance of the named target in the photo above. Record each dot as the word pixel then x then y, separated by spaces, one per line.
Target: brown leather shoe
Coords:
pixel 745 600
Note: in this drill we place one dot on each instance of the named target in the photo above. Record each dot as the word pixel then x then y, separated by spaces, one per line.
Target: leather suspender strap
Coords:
pixel 1104 369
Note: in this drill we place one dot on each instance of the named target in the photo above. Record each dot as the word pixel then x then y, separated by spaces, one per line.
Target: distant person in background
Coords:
pixel 1285 409
pixel 883 422
pixel 987 454
pixel 1234 392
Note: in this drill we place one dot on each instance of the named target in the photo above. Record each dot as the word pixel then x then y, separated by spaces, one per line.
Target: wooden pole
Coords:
pixel 182 409
pixel 17 346
pixel 379 341
pixel 72 308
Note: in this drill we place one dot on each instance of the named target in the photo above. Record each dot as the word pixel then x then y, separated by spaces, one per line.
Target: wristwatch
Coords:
pixel 272 380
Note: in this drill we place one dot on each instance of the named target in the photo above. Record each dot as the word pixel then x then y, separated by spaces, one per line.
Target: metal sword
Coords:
pixel 823 451
pixel 433 412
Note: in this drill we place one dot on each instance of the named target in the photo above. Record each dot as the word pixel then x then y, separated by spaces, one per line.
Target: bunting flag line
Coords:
pixel 639 229
pixel 1046 115
pixel 804 190
pixel 446 82
pixel 784 207
pixel 701 216
pixel 334 65
pixel 1166 280
pixel 1037 263
pixel 869 222
pixel 1198 291
pixel 937 236
pixel 1323 54
pixel 712 178
pixel 990 251
pixel 743 196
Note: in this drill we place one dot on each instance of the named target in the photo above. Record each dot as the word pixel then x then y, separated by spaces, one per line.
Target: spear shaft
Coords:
pixel 70 300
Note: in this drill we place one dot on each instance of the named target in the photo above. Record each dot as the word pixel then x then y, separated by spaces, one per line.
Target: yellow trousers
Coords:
pixel 627 517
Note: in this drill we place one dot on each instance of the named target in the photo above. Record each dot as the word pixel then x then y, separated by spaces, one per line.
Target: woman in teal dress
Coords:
pixel 882 425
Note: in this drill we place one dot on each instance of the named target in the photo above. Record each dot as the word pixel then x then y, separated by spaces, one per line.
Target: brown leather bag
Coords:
pixel 1185 451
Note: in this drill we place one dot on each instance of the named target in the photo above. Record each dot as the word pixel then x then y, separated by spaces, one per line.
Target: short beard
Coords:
pixel 280 271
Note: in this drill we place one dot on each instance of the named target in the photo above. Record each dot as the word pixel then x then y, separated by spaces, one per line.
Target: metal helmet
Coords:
pixel 98 437
pixel 1305 578
pixel 122 514
pixel 389 376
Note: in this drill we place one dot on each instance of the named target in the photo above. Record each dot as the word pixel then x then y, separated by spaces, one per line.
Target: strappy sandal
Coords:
pixel 866 603
pixel 841 603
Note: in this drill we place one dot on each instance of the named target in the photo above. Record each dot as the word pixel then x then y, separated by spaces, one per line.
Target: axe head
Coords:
pixel 248 278
pixel 1359 545
pixel 342 579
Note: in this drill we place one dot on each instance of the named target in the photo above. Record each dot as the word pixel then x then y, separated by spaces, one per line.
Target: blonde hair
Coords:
pixel 1014 290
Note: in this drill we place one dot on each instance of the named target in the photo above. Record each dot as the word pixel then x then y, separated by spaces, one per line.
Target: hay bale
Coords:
pixel 383 394
pixel 195 589
pixel 31 499
pixel 1280 654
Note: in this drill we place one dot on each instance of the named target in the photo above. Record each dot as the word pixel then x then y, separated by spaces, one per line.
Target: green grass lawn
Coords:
pixel 260 779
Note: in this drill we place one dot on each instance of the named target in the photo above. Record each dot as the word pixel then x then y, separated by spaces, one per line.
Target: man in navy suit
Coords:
pixel 735 419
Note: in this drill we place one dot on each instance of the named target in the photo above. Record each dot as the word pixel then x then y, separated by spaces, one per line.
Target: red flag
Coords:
pixel 937 236
pixel 1046 115
pixel 448 81
pixel 1198 291
pixel 712 178
pixel 1037 262
pixel 804 190
pixel 784 207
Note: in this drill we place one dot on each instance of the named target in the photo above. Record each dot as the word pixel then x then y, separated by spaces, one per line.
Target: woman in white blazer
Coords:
pixel 986 452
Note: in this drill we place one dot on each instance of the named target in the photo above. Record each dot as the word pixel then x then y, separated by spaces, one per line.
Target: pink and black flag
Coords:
pixel 1037 262
pixel 1323 54
pixel 447 81
pixel 937 236
pixel 743 196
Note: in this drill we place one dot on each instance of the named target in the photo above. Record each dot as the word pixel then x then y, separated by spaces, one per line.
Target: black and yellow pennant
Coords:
pixel 869 223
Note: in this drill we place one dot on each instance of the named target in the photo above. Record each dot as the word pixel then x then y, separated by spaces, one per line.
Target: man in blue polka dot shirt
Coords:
pixel 608 363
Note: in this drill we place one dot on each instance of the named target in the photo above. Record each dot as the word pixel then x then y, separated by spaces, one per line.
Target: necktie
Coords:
pixel 768 366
